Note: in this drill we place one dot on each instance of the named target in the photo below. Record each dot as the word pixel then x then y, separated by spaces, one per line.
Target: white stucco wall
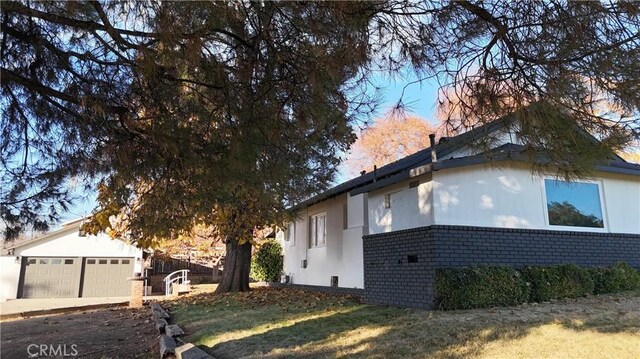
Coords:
pixel 341 255
pixel 410 207
pixel 511 197
pixel 9 275
pixel 69 244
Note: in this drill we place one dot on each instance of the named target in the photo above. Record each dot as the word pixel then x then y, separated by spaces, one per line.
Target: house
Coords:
pixel 66 263
pixel 385 233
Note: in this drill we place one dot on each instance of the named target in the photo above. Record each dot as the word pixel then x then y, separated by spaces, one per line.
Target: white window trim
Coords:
pixel 311 218
pixel 603 208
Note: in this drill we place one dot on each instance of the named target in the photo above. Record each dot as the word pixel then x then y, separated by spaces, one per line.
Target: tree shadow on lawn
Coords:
pixel 222 316
pixel 375 331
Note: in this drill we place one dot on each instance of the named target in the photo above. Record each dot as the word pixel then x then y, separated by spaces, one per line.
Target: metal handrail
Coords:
pixel 181 277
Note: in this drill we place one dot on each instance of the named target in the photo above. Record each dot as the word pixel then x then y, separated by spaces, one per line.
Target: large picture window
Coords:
pixel 317 230
pixel 573 204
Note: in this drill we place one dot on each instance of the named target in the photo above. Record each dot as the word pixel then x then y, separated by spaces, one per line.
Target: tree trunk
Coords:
pixel 237 264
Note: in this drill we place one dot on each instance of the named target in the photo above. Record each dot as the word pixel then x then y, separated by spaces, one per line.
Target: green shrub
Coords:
pixel 558 282
pixel 478 287
pixel 267 262
pixel 615 279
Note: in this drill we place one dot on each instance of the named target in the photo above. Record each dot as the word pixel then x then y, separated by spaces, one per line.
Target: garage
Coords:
pixel 49 277
pixel 68 263
pixel 107 277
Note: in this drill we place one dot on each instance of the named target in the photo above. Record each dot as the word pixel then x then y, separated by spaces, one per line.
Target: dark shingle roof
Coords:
pixel 401 169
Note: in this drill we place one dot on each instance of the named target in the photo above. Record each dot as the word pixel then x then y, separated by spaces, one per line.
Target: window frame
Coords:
pixel 290 228
pixel 386 201
pixel 601 198
pixel 313 240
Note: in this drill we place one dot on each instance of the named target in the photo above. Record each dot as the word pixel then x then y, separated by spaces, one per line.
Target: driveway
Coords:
pixel 18 306
pixel 100 334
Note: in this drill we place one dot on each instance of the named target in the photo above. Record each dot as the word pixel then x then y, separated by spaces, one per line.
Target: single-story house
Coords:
pixel 386 232
pixel 67 263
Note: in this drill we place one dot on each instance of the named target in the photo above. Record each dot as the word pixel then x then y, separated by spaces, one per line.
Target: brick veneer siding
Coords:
pixel 389 278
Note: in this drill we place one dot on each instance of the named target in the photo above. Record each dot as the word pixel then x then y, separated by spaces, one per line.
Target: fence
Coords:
pixel 170 265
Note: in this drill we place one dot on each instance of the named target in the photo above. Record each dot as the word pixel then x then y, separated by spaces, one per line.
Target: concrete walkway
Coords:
pixel 18 306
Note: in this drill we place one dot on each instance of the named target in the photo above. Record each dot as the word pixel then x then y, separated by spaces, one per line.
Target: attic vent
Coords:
pixel 334 281
pixel 413 184
pixel 412 258
pixel 303 263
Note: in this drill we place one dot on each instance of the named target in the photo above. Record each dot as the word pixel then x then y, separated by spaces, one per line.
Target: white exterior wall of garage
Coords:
pixel 65 243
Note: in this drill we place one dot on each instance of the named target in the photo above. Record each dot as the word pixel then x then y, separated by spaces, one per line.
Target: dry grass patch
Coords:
pixel 270 322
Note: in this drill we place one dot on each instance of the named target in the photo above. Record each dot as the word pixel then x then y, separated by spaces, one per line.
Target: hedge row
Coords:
pixel 486 286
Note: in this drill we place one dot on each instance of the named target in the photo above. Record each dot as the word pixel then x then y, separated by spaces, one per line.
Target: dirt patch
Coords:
pixel 104 333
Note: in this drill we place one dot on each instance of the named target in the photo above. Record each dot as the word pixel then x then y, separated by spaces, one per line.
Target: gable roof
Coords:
pixel 65 227
pixel 420 162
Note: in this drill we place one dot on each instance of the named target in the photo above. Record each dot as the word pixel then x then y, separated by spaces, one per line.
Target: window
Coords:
pixel 44 261
pixel 102 261
pixel 91 261
pixel 114 261
pixel 68 261
pixel 573 204
pixel 387 200
pixel 125 261
pixel 318 230
pixel 31 261
pixel 290 233
pixel 56 261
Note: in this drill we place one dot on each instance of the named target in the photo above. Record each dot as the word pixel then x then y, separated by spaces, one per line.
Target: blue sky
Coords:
pixel 420 99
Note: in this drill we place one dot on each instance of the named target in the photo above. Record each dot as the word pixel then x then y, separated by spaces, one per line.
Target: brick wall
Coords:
pixel 389 278
pixel 399 267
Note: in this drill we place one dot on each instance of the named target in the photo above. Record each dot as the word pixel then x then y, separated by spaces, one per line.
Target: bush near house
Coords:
pixel 267 262
pixel 618 278
pixel 479 286
pixel 487 286
pixel 558 282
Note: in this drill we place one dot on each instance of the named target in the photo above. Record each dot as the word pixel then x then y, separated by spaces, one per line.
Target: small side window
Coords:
pixel 387 200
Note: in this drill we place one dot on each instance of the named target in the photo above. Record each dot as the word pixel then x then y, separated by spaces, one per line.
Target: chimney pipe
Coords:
pixel 432 142
pixel 375 173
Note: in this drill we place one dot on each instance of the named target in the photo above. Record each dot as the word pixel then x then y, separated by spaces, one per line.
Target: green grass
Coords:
pixel 292 323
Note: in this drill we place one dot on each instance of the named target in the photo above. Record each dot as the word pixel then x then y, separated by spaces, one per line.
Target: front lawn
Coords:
pixel 289 323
